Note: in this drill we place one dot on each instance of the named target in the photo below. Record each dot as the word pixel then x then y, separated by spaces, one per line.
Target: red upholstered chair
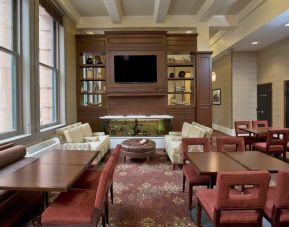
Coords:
pixel 6 146
pixel 274 145
pixel 90 178
pixel 79 207
pixel 237 141
pixel 226 206
pixel 248 139
pixel 258 123
pixel 277 205
pixel 189 173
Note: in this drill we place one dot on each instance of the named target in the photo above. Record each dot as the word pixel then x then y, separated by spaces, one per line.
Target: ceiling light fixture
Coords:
pixel 189 31
pixel 286 25
pixel 254 43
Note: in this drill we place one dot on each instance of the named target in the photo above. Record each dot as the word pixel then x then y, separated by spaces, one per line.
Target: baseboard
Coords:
pixel 228 131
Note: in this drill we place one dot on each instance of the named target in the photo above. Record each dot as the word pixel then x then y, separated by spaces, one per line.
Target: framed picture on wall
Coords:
pixel 216 96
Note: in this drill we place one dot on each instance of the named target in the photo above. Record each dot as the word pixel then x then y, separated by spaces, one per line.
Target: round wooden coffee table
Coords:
pixel 133 149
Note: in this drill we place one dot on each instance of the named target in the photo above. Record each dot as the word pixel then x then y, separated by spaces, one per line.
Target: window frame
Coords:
pixel 15 55
pixel 56 75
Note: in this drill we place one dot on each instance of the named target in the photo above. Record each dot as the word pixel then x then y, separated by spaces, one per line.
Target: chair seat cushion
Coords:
pixel 272 148
pixel 72 207
pixel 284 216
pixel 207 198
pixel 193 177
pixel 88 180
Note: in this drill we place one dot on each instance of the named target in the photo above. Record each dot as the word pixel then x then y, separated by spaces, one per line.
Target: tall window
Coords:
pixel 47 68
pixel 7 68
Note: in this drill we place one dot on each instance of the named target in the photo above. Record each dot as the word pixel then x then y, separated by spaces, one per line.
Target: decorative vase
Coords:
pixel 182 74
pixel 172 75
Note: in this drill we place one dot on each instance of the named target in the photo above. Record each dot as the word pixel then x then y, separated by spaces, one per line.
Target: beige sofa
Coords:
pixel 80 137
pixel 174 139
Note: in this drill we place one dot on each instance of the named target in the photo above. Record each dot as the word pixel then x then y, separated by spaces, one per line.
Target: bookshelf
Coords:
pixel 92 79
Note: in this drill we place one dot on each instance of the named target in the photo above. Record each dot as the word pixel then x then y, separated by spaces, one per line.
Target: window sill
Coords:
pixel 26 139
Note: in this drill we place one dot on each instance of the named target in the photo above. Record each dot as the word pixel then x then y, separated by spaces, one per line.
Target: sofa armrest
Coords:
pixel 175 133
pixel 98 134
pixel 77 146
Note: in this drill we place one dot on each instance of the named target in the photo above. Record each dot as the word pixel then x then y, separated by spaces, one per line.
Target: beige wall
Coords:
pixel 222 114
pixel 70 70
pixel 244 80
pixel 273 67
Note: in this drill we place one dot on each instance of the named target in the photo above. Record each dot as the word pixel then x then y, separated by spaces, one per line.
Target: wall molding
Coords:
pixel 228 131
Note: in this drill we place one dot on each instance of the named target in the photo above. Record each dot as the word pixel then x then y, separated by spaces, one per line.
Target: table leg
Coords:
pixel 45 200
pixel 212 180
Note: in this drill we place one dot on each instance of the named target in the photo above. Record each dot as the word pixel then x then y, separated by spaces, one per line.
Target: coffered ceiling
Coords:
pixel 220 24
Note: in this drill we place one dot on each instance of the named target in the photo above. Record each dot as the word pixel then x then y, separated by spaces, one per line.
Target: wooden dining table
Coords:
pixel 210 163
pixel 257 131
pixel 55 171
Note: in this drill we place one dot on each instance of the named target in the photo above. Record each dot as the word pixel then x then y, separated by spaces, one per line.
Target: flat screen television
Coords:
pixel 135 68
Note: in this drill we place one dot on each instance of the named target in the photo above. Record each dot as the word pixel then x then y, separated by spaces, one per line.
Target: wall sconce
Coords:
pixel 214 76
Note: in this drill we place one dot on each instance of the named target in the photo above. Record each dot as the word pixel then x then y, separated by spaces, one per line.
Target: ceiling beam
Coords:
pixel 69 10
pixel 209 8
pixel 217 36
pixel 255 20
pixel 249 8
pixel 161 9
pixel 113 8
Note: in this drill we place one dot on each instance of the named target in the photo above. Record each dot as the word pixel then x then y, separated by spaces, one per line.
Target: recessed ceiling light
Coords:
pixel 189 31
pixel 254 43
pixel 286 25
pixel 89 32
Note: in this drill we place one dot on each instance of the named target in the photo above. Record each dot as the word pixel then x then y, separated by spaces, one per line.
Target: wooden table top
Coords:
pixel 55 171
pixel 69 157
pixel 259 130
pixel 42 177
pixel 213 162
pixel 255 160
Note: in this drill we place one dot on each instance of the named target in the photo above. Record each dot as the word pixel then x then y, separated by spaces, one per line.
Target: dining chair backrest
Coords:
pixel 281 139
pixel 104 181
pixel 222 141
pixel 281 199
pixel 259 123
pixel 186 142
pixel 242 124
pixel 252 200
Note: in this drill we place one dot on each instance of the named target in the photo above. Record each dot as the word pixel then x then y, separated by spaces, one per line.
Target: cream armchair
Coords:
pixel 80 137
pixel 174 139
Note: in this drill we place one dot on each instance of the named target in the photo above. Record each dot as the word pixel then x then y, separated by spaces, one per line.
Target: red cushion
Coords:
pixel 207 198
pixel 88 180
pixel 272 148
pixel 72 207
pixel 288 146
pixel 193 177
pixel 284 217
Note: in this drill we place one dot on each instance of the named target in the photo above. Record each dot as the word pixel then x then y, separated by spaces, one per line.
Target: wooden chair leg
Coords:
pixel 174 166
pixel 284 155
pixel 111 193
pixel 103 219
pixel 190 196
pixel 199 215
pixel 106 209
pixel 184 182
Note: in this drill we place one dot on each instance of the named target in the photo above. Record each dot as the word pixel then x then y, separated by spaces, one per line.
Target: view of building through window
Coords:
pixel 47 72
pixel 7 68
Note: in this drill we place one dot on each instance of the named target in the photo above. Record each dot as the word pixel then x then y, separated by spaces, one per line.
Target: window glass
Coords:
pixel 46 38
pixel 6 24
pixel 47 96
pixel 7 93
